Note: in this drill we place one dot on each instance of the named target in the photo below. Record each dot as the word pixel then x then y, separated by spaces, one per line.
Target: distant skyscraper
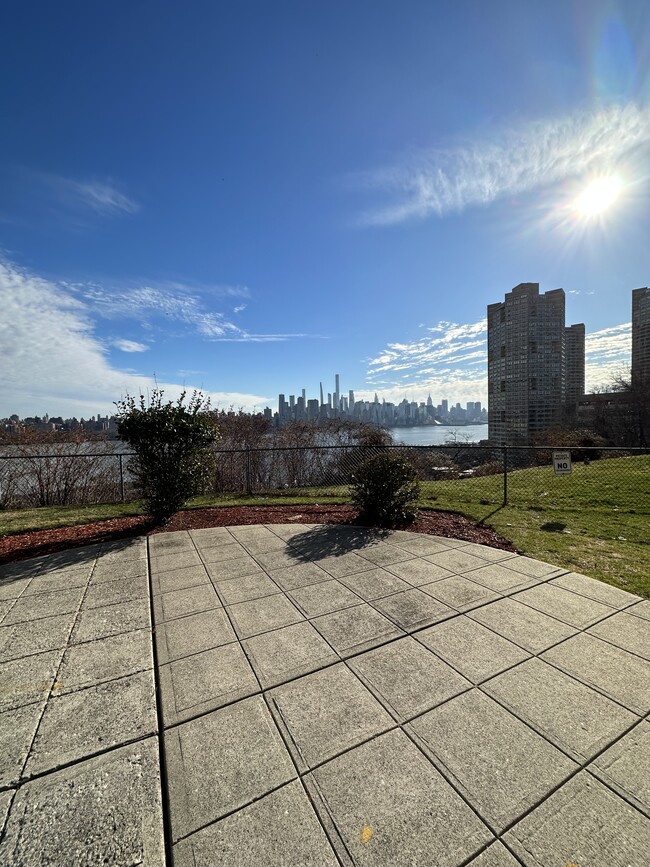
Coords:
pixel 526 365
pixel 321 394
pixel 574 356
pixel 641 337
pixel 337 394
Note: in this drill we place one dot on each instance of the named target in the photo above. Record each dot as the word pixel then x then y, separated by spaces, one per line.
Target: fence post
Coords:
pixel 121 478
pixel 505 476
pixel 249 482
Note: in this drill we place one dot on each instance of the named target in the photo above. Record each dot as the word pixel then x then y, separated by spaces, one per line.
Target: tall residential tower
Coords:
pixel 529 379
pixel 641 337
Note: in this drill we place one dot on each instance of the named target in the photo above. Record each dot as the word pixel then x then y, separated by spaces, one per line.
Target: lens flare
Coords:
pixel 598 196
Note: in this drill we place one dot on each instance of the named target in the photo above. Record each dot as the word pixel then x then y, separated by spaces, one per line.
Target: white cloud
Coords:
pixel 51 360
pixel 239 309
pixel 103 198
pixel 449 362
pixel 513 161
pixel 607 353
pixel 174 303
pixel 130 346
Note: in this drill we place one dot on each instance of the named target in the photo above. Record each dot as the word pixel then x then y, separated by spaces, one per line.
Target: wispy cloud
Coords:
pixel 513 161
pixel 53 361
pixel 448 362
pixel 102 197
pixel 130 346
pixel 607 353
pixel 175 304
pixel 239 308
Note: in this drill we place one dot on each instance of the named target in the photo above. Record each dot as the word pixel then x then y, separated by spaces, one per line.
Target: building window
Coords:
pixel 503 350
pixel 503 385
pixel 533 383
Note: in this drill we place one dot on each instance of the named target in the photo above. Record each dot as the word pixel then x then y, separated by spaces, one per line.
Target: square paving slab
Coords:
pixel 30 608
pixel 192 634
pixel 251 586
pixel 178 579
pixel 390 806
pixel 583 823
pixel 103 811
pixel 624 630
pixel 620 675
pixel 625 766
pixel 282 822
pixel 94 623
pixel 564 605
pixel 286 653
pixel 231 569
pixel 498 577
pixel 223 761
pixel 413 609
pixel 27 680
pixel 25 639
pixel 374 584
pixel 179 603
pixel 407 678
pixel 527 627
pixel 416 571
pixel 204 682
pixel 459 592
pixel 597 590
pixel 301 575
pixel 113 592
pixel 17 730
pixel 472 649
pixel 263 615
pixel 571 715
pixel 501 766
pixel 323 598
pixel 344 564
pixel 325 713
pixel 83 723
pixel 106 659
pixel 354 630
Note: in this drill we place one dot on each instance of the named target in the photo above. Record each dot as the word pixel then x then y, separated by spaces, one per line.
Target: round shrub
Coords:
pixel 385 490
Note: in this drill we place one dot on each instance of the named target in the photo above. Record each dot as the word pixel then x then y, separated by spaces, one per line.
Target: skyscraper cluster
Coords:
pixel 536 364
pixel 380 412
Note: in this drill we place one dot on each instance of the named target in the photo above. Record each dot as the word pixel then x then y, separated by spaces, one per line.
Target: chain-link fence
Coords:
pixel 64 479
pixel 451 475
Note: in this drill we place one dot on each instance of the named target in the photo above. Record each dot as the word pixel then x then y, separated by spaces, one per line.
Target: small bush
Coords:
pixel 385 490
pixel 172 444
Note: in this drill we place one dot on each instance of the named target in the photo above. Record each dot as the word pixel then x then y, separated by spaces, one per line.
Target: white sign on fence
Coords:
pixel 562 463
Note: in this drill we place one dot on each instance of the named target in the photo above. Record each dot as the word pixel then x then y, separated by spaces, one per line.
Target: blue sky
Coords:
pixel 250 197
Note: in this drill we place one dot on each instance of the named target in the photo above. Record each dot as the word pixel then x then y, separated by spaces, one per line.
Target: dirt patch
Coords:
pixel 24 545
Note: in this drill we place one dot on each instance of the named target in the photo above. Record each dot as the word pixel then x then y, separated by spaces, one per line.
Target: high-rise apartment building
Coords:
pixel 574 358
pixel 527 373
pixel 641 337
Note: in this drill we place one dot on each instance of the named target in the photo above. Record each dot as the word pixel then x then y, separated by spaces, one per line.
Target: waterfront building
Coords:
pixel 527 370
pixel 641 337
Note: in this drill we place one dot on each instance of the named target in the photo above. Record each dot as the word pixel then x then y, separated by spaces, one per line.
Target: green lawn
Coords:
pixel 595 521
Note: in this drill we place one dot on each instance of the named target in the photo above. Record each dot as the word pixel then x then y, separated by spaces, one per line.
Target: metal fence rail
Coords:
pixel 458 473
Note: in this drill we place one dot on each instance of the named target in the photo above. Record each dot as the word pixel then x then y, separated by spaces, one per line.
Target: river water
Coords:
pixel 437 435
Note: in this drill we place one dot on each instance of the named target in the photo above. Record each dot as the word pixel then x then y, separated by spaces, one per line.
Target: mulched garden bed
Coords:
pixel 24 545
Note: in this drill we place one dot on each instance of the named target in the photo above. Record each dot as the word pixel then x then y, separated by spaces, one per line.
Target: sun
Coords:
pixel 598 196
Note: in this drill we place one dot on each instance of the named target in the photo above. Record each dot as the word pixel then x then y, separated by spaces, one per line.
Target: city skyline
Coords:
pixel 349 198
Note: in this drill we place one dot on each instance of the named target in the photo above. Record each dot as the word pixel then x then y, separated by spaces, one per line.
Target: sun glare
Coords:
pixel 598 196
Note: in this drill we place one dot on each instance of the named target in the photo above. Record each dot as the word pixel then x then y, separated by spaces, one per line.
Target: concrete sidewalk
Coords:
pixel 318 696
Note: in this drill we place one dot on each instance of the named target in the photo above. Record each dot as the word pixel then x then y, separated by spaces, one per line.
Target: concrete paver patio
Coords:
pixel 320 695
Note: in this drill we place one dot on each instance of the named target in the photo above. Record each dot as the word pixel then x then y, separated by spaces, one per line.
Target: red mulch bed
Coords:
pixel 24 545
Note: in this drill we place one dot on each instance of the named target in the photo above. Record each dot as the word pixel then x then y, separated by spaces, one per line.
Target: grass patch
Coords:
pixel 594 521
